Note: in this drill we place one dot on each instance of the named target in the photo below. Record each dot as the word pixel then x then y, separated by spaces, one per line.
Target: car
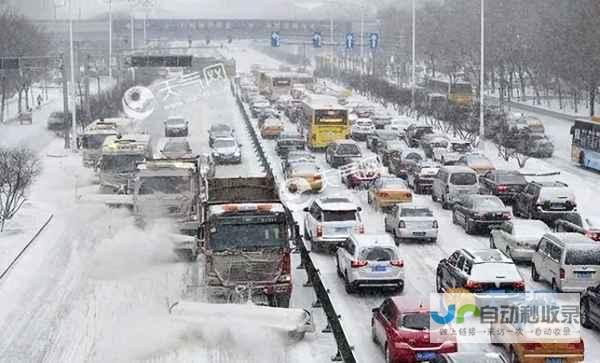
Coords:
pixel 57 121
pixel 476 161
pixel 258 105
pixel 362 174
pixel 479 271
pixel 569 262
pixel 432 142
pixel 400 163
pixel 388 191
pixel 409 221
pixel 389 149
pixel 226 150
pixel 575 222
pixel 265 114
pixel 536 145
pixel 398 126
pixel 518 238
pixel 420 176
pixel 453 152
pixel 370 260
pixel 363 111
pixel 304 176
pixel 329 221
pixel 218 131
pixel 361 128
pixel 271 128
pixel 451 183
pixel 476 212
pixel 381 120
pixel 534 125
pixel 296 157
pixel 173 148
pixel 415 133
pixel 287 142
pixel 505 184
pixel 342 152
pixel 401 327
pixel 470 357
pixel 589 307
pixel 379 136
pixel 545 200
pixel 176 126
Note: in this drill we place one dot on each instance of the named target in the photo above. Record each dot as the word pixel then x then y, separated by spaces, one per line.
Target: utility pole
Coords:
pixel 74 93
pixel 132 25
pixel 63 69
pixel 481 78
pixel 414 58
pixel 110 39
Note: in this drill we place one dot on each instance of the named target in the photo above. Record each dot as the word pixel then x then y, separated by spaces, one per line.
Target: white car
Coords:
pixel 518 238
pixel 411 222
pixel 329 221
pixel 451 154
pixel 176 126
pixel 370 260
pixel 361 128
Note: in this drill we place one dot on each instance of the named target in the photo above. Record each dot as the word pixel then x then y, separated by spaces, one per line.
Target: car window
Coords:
pixel 415 321
pixel 350 246
pixel 554 251
pixel 339 216
pixel 315 211
pixel 488 203
pixel 463 179
pixel 416 212
pixel 461 262
pixel 347 149
pixel 387 310
pixel 453 258
pixel 468 266
pixel 583 256
pixel 511 178
pixel 542 246
pixel 378 254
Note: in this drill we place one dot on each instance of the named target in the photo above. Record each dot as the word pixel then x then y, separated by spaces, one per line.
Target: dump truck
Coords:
pixel 244 239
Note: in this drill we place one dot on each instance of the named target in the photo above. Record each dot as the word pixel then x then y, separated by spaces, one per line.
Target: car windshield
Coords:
pixel 477 159
pixel 92 141
pixel 220 127
pixel 589 255
pixel 413 156
pixel 305 168
pixel 512 177
pixel 222 143
pixel 164 185
pixel 531 228
pixel 416 212
pixel 415 321
pixel 388 136
pixel 348 149
pixel 491 271
pixel 463 179
pixel 377 254
pixel 177 147
pixel 175 122
pixel 488 203
pixel 364 123
pixel 230 236
pixel 392 182
pixel 120 163
pixel 340 216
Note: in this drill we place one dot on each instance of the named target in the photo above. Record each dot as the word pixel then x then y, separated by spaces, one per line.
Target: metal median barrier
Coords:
pixel 344 350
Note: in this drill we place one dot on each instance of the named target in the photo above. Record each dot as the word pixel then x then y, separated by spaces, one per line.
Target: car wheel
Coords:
pixel 492 243
pixel 468 226
pixel 454 219
pixel 433 197
pixel 554 286
pixel 388 354
pixel 509 253
pixel 534 274
pixel 515 210
pixel 400 288
pixel 445 204
pixel 369 198
pixel 373 335
pixel 584 311
pixel 385 224
pixel 337 265
pixel 438 283
pixel 347 285
pixel 513 357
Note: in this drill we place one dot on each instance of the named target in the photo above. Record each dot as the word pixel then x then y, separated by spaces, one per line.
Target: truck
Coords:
pixel 93 136
pixel 118 159
pixel 244 239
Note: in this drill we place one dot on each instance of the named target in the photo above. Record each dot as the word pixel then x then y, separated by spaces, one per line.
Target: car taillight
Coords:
pixel 506 215
pixel 593 235
pixel 576 346
pixel 319 230
pixel 472 285
pixel 317 177
pixel 502 189
pixel 519 285
pixel 358 263
pixel 383 194
pixel 447 189
pixel 435 224
pixel 531 346
pixel 562 273
pixel 401 224
pixel 397 263
pixel 361 228
pixel 286 264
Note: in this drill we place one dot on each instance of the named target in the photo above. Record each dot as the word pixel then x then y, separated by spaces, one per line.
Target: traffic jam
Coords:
pixel 392 210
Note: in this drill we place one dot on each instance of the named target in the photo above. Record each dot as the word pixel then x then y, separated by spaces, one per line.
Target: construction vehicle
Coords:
pixel 244 240
pixel 119 157
pixel 94 134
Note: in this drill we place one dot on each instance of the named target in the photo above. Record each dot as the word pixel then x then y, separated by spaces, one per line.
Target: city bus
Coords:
pixel 94 134
pixel 274 83
pixel 585 145
pixel 325 121
pixel 459 93
pixel 119 159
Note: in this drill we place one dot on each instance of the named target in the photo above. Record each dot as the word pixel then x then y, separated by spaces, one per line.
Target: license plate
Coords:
pixel 341 230
pixel 554 360
pixel 378 268
pixel 557 206
pixel 418 233
pixel 463 191
pixel 424 356
pixel 583 275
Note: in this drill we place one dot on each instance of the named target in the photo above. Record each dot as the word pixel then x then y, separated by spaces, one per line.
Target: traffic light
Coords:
pixel 161 61
pixel 9 63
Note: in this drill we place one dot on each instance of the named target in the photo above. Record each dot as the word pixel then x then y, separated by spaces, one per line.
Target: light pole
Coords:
pixel 481 78
pixel 73 100
pixel 414 57
pixel 109 2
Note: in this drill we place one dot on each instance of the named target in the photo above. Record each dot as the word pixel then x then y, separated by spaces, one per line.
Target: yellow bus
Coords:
pixel 325 121
pixel 459 93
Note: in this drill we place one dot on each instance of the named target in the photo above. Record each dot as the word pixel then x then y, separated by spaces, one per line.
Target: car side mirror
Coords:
pixel 305 209
pixel 359 209
pixel 375 310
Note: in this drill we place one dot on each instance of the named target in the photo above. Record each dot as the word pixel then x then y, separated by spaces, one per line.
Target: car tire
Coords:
pixel 515 210
pixel 348 286
pixel 509 253
pixel 512 356
pixel 492 243
pixel 554 286
pixel 385 225
pixel 535 276
pixel 584 310
pixel 445 204
pixel 388 354
pixel 400 288
pixel 373 335
pixel 468 227
pixel 433 196
pixel 438 283
pixel 337 266
pixel 433 240
pixel 454 219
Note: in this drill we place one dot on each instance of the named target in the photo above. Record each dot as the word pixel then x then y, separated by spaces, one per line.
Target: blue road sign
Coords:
pixel 275 39
pixel 349 40
pixel 316 39
pixel 373 40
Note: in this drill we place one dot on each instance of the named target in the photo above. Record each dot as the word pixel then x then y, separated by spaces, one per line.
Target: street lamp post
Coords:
pixel 72 56
pixel 414 57
pixel 481 78
pixel 109 38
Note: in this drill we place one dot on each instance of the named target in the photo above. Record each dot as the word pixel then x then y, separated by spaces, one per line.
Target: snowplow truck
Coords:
pixel 245 238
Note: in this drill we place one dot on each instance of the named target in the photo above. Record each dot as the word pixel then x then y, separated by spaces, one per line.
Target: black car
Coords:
pixel 219 131
pixel 478 271
pixel 390 149
pixel 546 201
pixel 420 176
pixel 399 164
pixel 434 141
pixel 296 157
pixel 342 152
pixel 414 134
pixel 289 142
pixel 575 222
pixel 589 307
pixel 58 121
pixel 479 212
pixel 378 137
pixel 505 184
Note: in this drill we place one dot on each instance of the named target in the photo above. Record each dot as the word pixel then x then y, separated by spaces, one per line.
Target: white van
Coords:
pixel 570 262
pixel 452 182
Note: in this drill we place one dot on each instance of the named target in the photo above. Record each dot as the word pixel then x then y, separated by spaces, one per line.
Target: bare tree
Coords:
pixel 18 169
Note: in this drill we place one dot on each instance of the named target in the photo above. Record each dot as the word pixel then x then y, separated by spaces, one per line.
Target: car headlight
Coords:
pixel 237 153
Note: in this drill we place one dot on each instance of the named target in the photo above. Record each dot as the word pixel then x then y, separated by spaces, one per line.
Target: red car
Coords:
pixel 402 330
